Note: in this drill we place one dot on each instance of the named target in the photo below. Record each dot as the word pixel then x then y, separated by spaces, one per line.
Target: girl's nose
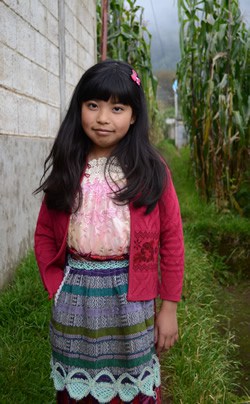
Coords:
pixel 103 116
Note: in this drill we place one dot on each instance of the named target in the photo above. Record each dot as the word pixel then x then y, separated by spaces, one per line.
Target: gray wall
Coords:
pixel 45 46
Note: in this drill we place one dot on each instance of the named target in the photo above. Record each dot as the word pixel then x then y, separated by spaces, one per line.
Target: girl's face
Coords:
pixel 105 123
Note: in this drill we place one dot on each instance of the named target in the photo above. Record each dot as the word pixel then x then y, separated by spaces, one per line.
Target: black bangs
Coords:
pixel 117 86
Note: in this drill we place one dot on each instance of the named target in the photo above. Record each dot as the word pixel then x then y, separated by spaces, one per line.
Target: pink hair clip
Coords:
pixel 135 78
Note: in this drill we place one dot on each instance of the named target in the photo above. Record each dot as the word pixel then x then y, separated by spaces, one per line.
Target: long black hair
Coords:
pixel 143 167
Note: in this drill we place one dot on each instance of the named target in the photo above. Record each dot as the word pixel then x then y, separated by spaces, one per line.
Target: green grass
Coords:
pixel 200 369
pixel 24 345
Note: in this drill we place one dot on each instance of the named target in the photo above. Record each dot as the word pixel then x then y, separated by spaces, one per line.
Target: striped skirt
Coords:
pixel 102 345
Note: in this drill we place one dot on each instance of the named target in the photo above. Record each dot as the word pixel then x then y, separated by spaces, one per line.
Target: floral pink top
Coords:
pixel 101 226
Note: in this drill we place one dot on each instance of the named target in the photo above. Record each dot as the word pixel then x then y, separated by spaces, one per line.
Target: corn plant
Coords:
pixel 129 40
pixel 214 88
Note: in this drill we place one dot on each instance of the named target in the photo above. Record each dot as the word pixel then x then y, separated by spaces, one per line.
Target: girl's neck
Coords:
pixel 96 154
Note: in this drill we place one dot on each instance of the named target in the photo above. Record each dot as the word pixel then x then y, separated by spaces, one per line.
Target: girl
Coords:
pixel 109 209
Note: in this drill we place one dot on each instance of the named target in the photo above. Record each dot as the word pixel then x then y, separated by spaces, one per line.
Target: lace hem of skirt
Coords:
pixel 80 384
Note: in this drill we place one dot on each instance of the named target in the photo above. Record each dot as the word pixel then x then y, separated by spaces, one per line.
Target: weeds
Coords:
pixel 201 368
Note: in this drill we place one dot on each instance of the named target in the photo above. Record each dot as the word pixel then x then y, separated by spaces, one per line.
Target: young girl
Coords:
pixel 109 210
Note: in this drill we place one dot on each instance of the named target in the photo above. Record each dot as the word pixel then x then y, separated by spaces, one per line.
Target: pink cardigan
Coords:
pixel 158 233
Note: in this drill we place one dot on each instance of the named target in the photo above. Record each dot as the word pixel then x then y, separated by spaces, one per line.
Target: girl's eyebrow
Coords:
pixel 112 102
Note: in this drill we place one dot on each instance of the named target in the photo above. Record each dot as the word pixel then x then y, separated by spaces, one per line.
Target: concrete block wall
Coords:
pixel 45 46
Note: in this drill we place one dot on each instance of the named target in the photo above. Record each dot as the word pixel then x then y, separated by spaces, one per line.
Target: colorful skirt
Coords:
pixel 103 345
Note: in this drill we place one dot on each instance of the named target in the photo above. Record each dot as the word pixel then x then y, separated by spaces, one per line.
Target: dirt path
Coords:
pixel 235 301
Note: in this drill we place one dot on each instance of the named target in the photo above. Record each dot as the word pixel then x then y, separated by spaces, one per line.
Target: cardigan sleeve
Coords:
pixel 45 243
pixel 46 250
pixel 171 244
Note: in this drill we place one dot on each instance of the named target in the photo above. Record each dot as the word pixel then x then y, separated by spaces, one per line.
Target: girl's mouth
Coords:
pixel 103 131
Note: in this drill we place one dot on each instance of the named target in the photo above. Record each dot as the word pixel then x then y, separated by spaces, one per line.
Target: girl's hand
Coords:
pixel 166 327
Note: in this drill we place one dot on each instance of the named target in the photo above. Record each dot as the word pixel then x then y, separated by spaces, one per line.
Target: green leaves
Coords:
pixel 214 88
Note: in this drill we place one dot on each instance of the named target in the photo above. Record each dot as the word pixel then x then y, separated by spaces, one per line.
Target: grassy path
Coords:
pixel 199 369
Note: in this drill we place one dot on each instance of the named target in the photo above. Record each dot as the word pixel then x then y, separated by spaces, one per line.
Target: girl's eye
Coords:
pixel 92 105
pixel 118 109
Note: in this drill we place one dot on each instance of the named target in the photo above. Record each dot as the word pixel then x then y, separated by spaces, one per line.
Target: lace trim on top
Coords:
pixel 96 167
pixel 80 384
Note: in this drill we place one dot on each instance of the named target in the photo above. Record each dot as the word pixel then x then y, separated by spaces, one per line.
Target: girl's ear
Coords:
pixel 133 119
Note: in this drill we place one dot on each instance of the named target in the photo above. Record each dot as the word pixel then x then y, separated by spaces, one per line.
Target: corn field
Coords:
pixel 214 89
pixel 130 41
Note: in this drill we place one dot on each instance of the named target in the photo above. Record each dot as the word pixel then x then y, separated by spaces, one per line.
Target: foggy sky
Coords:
pixel 161 18
pixel 167 15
